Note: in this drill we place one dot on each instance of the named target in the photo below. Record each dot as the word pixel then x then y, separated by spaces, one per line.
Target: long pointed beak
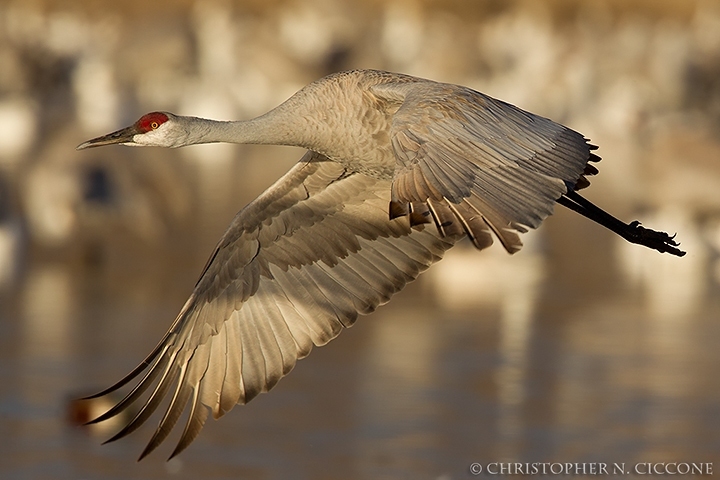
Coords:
pixel 121 136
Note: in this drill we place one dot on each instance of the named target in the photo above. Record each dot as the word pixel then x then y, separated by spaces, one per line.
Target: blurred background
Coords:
pixel 580 348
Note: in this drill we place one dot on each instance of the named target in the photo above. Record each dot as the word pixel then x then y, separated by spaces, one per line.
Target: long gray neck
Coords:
pixel 281 126
pixel 257 130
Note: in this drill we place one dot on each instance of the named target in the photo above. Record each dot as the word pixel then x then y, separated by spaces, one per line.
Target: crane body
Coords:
pixel 398 170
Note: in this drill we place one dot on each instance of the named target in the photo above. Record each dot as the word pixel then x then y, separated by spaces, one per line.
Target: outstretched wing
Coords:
pixel 295 266
pixel 494 165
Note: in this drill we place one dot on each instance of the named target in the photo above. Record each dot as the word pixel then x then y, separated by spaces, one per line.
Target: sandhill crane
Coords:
pixel 398 170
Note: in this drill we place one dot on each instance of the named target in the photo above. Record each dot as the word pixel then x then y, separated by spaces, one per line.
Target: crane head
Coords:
pixel 151 129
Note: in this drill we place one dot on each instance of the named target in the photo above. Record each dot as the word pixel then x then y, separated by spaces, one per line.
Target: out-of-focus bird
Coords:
pixel 398 169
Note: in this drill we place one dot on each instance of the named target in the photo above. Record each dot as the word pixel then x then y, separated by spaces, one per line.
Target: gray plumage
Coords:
pixel 398 170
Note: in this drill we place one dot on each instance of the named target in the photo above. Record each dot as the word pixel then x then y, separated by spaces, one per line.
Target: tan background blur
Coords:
pixel 581 348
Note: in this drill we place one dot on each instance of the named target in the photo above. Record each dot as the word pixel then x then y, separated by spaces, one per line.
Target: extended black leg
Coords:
pixel 634 232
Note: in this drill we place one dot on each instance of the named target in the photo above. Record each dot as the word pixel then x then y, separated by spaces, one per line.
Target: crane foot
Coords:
pixel 660 241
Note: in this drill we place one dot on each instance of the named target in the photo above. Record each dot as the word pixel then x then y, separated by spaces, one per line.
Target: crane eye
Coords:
pixel 150 122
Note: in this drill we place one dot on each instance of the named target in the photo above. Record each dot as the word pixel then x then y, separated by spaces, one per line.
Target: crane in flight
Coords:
pixel 398 169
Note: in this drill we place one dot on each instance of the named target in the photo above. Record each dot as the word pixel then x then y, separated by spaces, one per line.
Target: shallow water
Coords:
pixel 557 368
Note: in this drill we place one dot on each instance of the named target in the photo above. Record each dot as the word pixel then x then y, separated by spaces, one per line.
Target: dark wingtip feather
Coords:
pixel 148 450
pixel 160 347
pixel 590 170
pixel 124 381
pixel 174 410
pixel 581 183
pixel 133 395
pixel 150 405
pixel 196 420
pixel 105 416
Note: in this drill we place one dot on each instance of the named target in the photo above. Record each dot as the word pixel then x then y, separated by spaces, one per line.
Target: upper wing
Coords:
pixel 295 266
pixel 492 163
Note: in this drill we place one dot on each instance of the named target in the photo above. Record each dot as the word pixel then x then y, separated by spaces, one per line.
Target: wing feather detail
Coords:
pixel 295 267
pixel 497 166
